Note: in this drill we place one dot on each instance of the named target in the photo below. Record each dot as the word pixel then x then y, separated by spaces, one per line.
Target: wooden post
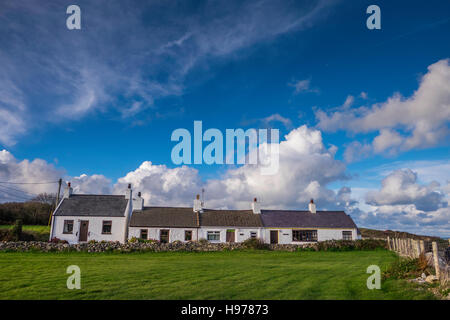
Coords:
pixel 436 260
pixel 417 248
pixel 394 244
pixel 389 243
pixel 410 248
pixel 422 246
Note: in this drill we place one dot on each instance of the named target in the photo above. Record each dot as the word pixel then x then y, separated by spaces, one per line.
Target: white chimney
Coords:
pixel 68 191
pixel 138 202
pixel 312 206
pixel 255 206
pixel 128 192
pixel 198 205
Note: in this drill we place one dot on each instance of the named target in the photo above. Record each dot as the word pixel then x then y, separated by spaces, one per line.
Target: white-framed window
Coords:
pixel 253 234
pixel 346 235
pixel 213 236
pixel 68 227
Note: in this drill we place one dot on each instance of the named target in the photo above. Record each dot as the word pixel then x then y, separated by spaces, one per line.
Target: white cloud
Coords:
pixel 306 168
pixel 94 184
pixel 276 117
pixel 404 204
pixel 53 75
pixel 25 171
pixel 401 188
pixel 302 86
pixel 423 117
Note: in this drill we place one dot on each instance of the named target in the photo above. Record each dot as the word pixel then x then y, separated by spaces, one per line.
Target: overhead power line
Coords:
pixel 48 182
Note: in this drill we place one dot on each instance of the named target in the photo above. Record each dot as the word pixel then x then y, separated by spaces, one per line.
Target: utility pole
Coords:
pixel 56 201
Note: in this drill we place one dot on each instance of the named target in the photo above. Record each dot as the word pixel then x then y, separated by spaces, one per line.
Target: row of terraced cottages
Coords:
pixel 81 218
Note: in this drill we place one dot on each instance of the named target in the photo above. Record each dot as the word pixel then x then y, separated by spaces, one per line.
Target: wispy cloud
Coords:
pixel 125 58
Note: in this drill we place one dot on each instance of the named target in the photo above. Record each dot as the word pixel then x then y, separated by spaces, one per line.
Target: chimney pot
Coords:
pixel 312 206
pixel 256 206
pixel 198 206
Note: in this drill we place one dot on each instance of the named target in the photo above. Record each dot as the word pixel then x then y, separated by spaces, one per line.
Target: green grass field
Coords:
pixel 209 275
pixel 34 228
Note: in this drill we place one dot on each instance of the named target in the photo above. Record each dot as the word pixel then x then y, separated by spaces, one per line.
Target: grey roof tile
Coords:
pixel 93 205
pixel 306 219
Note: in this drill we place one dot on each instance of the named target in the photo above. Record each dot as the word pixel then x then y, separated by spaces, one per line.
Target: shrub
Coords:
pixel 406 269
pixel 203 241
pixel 16 231
pixel 254 243
pixel 133 240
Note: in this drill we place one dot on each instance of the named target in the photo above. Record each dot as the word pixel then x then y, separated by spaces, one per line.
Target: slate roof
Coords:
pixel 230 218
pixel 306 219
pixel 186 217
pixel 164 217
pixel 93 205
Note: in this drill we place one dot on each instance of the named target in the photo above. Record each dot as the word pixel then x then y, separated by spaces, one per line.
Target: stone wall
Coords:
pixel 22 246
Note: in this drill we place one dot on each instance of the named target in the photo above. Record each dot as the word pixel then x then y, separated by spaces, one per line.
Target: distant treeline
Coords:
pixel 31 212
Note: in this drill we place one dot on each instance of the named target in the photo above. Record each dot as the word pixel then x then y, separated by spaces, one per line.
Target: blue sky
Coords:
pixel 103 100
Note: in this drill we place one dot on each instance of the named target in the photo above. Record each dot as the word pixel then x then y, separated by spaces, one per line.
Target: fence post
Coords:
pixel 436 260
pixel 417 248
pixel 389 243
pixel 422 246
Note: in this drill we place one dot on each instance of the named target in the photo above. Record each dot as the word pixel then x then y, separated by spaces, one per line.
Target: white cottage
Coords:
pixel 168 224
pixel 81 218
pixel 296 227
pixel 84 217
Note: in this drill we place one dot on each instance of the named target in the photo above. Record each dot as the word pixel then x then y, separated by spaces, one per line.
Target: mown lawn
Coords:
pixel 208 275
pixel 34 228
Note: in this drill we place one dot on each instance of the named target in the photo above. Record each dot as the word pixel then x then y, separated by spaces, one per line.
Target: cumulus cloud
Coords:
pixel 27 173
pixel 162 186
pixel 402 203
pixel 94 184
pixel 401 188
pixel 28 178
pixel 306 168
pixel 419 121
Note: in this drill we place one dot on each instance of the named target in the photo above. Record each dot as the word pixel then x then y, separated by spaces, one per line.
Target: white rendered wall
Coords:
pixel 241 234
pixel 94 228
pixel 285 235
pixel 175 234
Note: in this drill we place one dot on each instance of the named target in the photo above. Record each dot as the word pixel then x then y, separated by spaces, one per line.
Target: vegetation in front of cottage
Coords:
pixel 152 245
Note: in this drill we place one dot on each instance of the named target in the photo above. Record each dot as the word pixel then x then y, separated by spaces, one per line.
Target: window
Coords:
pixel 144 234
pixel 253 234
pixel 106 229
pixel 187 235
pixel 213 236
pixel 304 235
pixel 164 236
pixel 347 235
pixel 68 226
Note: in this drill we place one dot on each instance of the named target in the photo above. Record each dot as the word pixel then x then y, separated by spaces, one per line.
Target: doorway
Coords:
pixel 230 235
pixel 84 227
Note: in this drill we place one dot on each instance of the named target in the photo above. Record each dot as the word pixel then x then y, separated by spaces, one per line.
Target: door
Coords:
pixel 83 230
pixel 274 236
pixel 230 236
pixel 164 236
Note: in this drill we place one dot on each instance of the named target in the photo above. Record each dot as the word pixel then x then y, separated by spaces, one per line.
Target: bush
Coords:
pixel 407 269
pixel 203 241
pixel 254 243
pixel 16 231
